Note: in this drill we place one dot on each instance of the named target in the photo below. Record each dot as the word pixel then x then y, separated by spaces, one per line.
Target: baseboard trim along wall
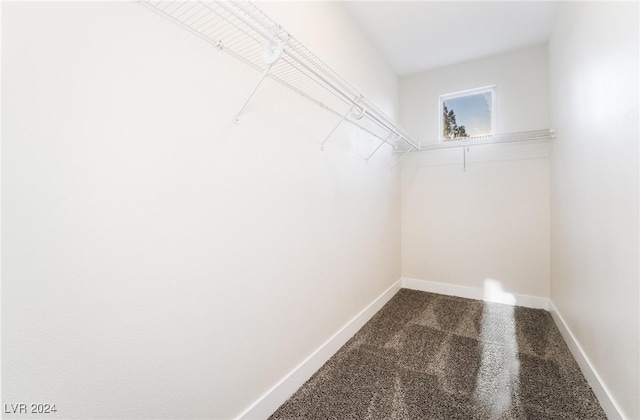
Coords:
pixel 605 399
pixel 608 404
pixel 279 393
pixel 477 293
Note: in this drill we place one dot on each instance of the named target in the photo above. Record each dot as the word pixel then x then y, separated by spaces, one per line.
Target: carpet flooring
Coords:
pixel 430 356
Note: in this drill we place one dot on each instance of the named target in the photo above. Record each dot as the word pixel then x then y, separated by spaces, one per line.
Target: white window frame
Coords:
pixel 468 92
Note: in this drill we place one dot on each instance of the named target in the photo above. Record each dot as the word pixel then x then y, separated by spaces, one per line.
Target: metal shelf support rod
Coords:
pixel 275 41
pixel 262 77
pixel 464 157
pixel 374 152
pixel 336 126
pixel 400 159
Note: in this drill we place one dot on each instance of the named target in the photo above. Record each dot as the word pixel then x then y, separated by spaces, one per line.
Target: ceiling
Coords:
pixel 415 36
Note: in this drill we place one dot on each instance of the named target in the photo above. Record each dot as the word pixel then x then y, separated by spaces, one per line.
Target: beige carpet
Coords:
pixel 429 356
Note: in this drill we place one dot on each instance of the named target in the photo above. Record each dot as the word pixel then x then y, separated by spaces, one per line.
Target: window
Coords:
pixel 467 114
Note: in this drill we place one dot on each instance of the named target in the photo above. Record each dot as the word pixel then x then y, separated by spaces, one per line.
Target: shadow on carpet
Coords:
pixel 430 356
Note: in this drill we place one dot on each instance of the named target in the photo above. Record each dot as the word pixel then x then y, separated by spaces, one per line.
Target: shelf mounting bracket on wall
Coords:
pixel 393 138
pixel 397 162
pixel 241 29
pixel 465 149
pixel 356 111
pixel 346 114
pixel 271 54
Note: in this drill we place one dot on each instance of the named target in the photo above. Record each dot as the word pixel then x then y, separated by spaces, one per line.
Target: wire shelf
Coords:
pixel 546 133
pixel 243 30
pixel 466 142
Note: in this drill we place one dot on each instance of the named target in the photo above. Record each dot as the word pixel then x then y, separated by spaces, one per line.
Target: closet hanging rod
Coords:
pixel 249 35
pixel 276 42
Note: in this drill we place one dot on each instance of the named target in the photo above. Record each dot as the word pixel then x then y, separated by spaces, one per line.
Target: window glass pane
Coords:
pixel 467 116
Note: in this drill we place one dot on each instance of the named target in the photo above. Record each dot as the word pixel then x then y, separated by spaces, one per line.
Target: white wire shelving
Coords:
pixel 545 133
pixel 241 29
pixel 466 142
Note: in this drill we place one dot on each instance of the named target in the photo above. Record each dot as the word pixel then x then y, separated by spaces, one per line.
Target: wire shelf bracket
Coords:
pixel 243 30
pixel 255 89
pixel 392 139
pixel 356 112
pixel 336 126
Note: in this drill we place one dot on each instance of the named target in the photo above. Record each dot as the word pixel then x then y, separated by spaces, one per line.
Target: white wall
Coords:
pixel 594 195
pixel 522 92
pixel 160 261
pixel 491 221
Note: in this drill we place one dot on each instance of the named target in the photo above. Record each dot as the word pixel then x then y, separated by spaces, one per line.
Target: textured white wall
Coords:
pixel 594 196
pixel 492 221
pixel 159 261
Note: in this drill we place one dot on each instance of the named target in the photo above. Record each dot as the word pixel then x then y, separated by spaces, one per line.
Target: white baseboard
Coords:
pixel 605 399
pixel 279 393
pixel 608 404
pixel 527 301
